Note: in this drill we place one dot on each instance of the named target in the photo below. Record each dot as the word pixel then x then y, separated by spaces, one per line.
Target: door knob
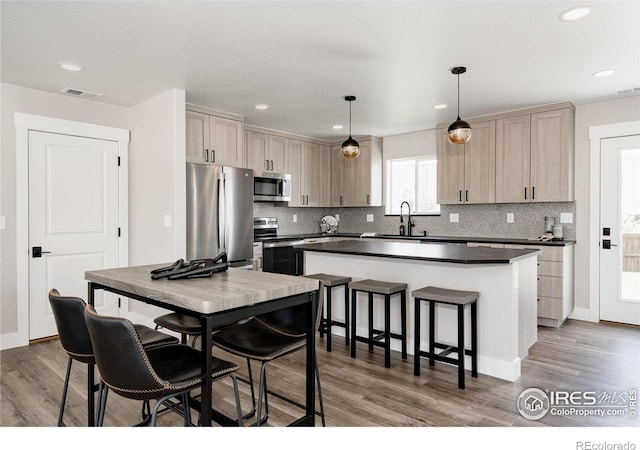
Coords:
pixel 36 252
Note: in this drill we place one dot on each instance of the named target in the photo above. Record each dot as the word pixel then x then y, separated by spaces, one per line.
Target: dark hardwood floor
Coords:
pixel 579 356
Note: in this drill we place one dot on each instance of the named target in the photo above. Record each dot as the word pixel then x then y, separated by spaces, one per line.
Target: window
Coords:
pixel 413 180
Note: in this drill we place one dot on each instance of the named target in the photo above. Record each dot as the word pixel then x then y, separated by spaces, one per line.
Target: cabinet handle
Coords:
pixel 533 193
pixel 460 196
pixel 206 155
pixel 272 164
pixel 302 199
pixel 266 164
pixel 213 156
pixel 525 193
pixel 466 195
pixel 307 202
pixel 368 199
pixel 341 200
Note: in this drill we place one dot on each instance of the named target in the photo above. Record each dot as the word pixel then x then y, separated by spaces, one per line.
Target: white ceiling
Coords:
pixel 304 57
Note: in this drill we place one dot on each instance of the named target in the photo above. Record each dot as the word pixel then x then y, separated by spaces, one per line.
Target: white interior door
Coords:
pixel 73 219
pixel 620 230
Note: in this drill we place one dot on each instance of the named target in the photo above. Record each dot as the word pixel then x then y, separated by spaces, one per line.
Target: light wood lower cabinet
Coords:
pixel 555 283
pixel 257 256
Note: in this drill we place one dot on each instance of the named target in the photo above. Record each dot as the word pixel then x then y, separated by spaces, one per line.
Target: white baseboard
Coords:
pixel 11 340
pixel 581 314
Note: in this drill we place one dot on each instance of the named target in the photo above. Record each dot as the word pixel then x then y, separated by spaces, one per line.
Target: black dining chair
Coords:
pixel 158 374
pixel 265 338
pixel 180 323
pixel 68 313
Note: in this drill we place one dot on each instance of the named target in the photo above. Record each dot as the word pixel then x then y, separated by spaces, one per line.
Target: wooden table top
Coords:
pixel 234 288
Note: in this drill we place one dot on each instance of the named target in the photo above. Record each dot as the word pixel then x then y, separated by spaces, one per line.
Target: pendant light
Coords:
pixel 459 131
pixel 350 147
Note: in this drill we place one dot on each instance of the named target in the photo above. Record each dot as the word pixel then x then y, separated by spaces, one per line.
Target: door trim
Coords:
pixel 28 122
pixel 596 134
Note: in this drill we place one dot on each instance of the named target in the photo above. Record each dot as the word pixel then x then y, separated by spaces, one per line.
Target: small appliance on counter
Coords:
pixel 329 225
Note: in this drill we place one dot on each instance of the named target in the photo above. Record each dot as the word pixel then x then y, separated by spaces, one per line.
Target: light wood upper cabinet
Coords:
pixel 267 152
pixel 213 139
pixel 316 162
pixel 466 172
pixel 552 150
pixel 337 176
pixel 309 165
pixel 534 157
pixel 197 127
pixel 513 159
pixel 357 181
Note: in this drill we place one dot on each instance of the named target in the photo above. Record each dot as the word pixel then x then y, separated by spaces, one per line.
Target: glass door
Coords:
pixel 620 230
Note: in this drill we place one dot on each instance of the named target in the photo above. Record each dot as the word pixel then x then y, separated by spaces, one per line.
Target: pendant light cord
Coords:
pixel 350 118
pixel 458 96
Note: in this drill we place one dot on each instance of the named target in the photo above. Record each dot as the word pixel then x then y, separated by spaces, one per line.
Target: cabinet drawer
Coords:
pixel 550 308
pixel 550 253
pixel 550 268
pixel 549 286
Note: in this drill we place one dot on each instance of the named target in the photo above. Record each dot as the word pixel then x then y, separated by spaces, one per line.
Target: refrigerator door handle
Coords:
pixel 222 213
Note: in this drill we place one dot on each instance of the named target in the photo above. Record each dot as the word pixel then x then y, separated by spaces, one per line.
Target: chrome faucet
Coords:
pixel 410 224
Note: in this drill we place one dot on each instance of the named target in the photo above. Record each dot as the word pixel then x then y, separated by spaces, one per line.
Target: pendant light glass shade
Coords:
pixel 350 147
pixel 459 131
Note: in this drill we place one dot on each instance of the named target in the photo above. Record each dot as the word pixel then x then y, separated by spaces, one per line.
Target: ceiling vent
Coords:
pixel 629 91
pixel 80 93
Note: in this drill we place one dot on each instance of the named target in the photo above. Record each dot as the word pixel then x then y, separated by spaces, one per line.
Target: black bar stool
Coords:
pixel 330 282
pixel 375 336
pixel 460 299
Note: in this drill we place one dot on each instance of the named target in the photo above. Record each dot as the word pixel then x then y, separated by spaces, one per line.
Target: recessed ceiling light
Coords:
pixel 440 106
pixel 337 127
pixel 603 73
pixel 262 106
pixel 71 67
pixel 575 13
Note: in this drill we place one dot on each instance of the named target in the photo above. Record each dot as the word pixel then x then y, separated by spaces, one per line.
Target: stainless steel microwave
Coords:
pixel 271 187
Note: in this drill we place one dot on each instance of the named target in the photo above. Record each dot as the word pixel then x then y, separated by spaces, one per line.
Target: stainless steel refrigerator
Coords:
pixel 219 213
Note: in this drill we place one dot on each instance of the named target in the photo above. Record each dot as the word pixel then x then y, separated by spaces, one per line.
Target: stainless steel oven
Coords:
pixel 278 255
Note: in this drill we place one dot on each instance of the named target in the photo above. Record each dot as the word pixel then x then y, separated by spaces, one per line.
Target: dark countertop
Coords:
pixel 436 252
pixel 422 239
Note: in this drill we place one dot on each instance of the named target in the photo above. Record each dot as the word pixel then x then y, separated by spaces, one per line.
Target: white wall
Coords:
pixel 157 183
pixel 31 101
pixel 624 110
pixel 156 177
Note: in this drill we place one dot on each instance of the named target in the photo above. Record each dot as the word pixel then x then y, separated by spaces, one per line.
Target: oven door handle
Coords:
pixel 281 244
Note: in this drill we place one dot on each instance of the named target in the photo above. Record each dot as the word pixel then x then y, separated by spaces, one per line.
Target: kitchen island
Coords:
pixel 505 279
